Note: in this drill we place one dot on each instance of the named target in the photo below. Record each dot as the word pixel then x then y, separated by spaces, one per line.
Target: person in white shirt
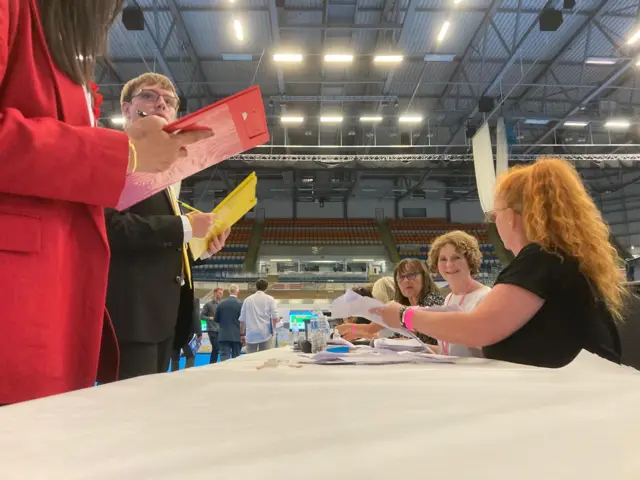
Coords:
pixel 456 256
pixel 259 315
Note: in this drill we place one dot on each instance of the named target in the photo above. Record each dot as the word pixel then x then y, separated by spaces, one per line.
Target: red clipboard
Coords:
pixel 239 124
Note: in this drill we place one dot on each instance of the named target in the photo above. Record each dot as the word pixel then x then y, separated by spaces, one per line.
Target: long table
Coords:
pixel 475 419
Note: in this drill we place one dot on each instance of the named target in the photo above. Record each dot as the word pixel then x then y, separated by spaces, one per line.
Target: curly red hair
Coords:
pixel 560 216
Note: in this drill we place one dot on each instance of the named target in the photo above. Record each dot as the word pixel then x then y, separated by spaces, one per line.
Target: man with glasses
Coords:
pixel 150 293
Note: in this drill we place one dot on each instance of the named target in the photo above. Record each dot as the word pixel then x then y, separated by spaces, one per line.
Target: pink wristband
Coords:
pixel 408 318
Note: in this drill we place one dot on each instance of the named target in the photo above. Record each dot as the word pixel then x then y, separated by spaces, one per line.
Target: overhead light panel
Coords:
pixel 634 38
pixel 238 30
pixel 386 59
pixel 443 30
pixel 575 124
pixel 331 119
pixel 287 57
pixel 292 119
pixel 410 119
pixel 371 119
pixel 338 58
pixel 601 61
pixel 536 121
pixel 237 57
pixel 436 57
pixel 617 124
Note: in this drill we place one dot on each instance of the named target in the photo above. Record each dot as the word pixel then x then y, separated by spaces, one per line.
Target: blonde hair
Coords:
pixel 560 216
pixel 148 78
pixel 465 244
pixel 384 289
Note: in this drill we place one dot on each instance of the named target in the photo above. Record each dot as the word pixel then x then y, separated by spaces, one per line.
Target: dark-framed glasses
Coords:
pixel 490 216
pixel 152 97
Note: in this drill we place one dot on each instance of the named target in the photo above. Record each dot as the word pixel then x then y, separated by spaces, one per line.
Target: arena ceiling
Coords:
pixel 584 73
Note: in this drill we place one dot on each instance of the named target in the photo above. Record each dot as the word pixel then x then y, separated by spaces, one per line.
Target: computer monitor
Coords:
pixel 297 318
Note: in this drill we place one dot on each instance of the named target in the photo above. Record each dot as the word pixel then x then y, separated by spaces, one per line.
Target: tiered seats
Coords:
pixel 329 231
pixel 414 237
pixel 228 263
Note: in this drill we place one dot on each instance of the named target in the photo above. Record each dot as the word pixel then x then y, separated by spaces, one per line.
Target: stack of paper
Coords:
pixel 235 206
pixel 353 305
pixel 401 345
pixel 377 357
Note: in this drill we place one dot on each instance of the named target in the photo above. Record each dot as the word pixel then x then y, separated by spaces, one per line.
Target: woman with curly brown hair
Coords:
pixel 456 256
pixel 562 291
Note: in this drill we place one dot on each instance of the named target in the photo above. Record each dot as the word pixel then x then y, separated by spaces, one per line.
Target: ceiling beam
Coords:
pixel 275 41
pixel 563 49
pixel 611 79
pixel 417 186
pixel 187 43
pixel 515 53
pixel 466 56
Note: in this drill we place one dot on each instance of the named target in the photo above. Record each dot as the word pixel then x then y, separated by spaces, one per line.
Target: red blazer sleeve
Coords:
pixel 44 157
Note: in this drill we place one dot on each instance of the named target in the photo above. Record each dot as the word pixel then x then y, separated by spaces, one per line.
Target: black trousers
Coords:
pixel 137 359
pixel 190 358
pixel 229 350
pixel 215 348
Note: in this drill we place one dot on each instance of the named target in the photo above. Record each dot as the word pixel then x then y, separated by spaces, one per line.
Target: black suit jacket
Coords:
pixel 228 316
pixel 144 294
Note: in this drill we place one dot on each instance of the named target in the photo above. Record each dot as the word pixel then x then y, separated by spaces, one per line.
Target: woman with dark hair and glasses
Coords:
pixel 57 174
pixel 414 287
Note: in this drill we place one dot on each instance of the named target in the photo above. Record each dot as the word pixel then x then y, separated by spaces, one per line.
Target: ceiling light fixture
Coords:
pixel 331 119
pixel 388 58
pixel 292 119
pixel 238 30
pixel 601 61
pixel 287 57
pixel 410 119
pixel 572 123
pixel 371 119
pixel 443 30
pixel 617 124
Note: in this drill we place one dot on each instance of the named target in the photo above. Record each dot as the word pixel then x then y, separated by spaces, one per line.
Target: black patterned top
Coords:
pixel 431 300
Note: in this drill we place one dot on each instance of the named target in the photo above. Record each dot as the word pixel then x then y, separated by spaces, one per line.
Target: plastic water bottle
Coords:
pixel 294 337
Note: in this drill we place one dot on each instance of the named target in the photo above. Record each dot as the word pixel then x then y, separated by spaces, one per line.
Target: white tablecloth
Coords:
pixel 478 419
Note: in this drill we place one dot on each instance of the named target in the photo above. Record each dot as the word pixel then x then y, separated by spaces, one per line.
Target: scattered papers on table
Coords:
pixel 400 345
pixel 376 357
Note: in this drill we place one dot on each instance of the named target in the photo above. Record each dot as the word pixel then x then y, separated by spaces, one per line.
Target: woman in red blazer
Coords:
pixel 57 174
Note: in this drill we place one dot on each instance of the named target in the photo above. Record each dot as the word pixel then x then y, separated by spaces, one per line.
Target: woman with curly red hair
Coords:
pixel 561 293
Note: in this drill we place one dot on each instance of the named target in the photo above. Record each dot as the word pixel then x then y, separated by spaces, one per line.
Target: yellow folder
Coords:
pixel 235 206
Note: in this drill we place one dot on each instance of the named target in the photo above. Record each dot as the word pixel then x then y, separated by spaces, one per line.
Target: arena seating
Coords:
pixel 414 237
pixel 323 277
pixel 329 231
pixel 228 264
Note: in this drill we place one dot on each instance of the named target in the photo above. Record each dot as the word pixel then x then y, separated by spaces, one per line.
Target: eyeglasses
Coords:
pixel 152 97
pixel 490 216
pixel 408 276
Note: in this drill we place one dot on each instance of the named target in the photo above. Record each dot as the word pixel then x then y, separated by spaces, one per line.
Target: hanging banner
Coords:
pixel 502 147
pixel 483 163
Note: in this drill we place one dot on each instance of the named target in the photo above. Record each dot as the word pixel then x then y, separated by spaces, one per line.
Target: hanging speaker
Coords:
pixel 569 4
pixel 485 104
pixel 133 18
pixel 550 20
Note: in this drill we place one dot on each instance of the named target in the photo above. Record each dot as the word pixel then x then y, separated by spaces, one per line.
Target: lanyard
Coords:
pixel 445 345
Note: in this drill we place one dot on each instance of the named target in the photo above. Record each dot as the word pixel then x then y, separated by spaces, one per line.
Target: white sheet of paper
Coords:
pixel 353 305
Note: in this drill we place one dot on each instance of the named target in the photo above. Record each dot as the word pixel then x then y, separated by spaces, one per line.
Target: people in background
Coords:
pixel 259 316
pixel 57 175
pixel 189 345
pixel 150 290
pixel 561 293
pixel 213 328
pixel 228 317
pixel 456 256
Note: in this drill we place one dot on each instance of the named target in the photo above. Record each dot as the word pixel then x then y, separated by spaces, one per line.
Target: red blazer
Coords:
pixel 56 175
